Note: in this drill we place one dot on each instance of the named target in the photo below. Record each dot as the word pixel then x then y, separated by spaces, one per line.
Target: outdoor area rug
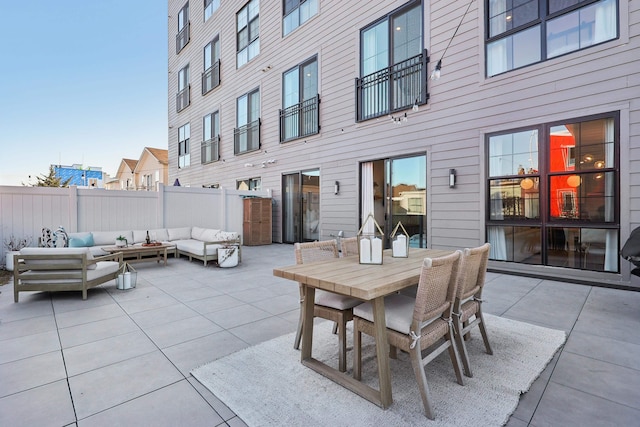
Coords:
pixel 266 385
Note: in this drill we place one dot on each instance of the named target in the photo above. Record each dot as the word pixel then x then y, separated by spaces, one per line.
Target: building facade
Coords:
pixel 527 136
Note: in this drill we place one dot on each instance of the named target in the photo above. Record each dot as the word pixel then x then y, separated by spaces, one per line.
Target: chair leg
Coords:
pixel 462 348
pixel 421 378
pixel 483 332
pixel 455 357
pixel 357 351
pixel 342 342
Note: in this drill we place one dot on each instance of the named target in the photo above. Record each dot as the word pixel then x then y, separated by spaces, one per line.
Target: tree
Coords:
pixel 51 180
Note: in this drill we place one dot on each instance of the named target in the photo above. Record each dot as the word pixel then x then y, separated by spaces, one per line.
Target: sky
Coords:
pixel 81 82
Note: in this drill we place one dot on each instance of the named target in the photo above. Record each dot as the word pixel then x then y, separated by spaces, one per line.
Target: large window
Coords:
pixel 211 74
pixel 524 32
pixel 210 6
pixel 393 64
pixel 182 38
pixel 247 132
pixel 184 156
pixel 552 194
pixel 182 98
pixel 248 32
pixel 300 113
pixel 210 150
pixel 296 13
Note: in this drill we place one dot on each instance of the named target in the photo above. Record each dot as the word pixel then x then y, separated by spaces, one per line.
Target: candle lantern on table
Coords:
pixel 399 242
pixel 370 238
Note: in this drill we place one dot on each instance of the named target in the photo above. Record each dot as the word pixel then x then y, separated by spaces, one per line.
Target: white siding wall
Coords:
pixel 464 107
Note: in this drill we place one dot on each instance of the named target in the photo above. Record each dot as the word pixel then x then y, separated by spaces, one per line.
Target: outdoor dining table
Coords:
pixel 368 282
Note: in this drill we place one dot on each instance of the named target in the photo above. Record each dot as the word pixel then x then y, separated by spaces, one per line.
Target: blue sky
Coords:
pixel 80 82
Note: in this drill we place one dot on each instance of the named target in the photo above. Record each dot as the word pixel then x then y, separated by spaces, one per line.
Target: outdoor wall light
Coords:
pixel 336 188
pixel 452 178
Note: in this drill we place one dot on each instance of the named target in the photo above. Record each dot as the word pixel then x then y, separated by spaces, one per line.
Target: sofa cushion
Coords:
pixel 181 233
pixel 205 234
pixel 158 235
pixel 80 240
pixel 196 247
pixel 105 238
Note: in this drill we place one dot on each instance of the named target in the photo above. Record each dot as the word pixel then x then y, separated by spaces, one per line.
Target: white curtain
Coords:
pixel 605 25
pixel 367 196
pixel 611 238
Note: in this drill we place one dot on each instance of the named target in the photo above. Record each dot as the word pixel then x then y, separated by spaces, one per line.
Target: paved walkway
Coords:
pixel 123 357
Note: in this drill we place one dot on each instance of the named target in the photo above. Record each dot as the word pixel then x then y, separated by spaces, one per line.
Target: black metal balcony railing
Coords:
pixel 393 88
pixel 246 138
pixel 210 150
pixel 211 78
pixel 301 119
pixel 183 37
pixel 182 98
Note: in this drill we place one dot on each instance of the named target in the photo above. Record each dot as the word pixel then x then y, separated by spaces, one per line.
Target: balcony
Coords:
pixel 393 88
pixel 211 78
pixel 246 138
pixel 300 120
pixel 210 150
pixel 183 99
pixel 183 37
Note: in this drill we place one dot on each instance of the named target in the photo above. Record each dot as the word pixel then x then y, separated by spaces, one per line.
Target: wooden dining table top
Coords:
pixel 346 276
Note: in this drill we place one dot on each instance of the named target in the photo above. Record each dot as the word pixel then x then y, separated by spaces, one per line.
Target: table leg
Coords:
pixel 382 352
pixel 307 323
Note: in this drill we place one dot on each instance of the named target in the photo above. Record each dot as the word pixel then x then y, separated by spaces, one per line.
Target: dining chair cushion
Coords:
pixel 339 302
pixel 398 311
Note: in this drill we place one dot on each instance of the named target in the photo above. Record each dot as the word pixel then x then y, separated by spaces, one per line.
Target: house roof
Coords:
pixel 160 154
pixel 130 163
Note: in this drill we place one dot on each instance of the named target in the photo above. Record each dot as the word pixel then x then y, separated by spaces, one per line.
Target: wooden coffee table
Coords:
pixel 140 253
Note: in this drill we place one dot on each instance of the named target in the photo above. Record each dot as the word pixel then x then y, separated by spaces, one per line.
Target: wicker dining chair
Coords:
pixel 468 302
pixel 415 324
pixel 349 246
pixel 328 305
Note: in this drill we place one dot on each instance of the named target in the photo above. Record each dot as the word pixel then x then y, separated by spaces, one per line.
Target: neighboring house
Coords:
pixel 152 169
pixel 80 176
pixel 146 173
pixel 126 175
pixel 530 138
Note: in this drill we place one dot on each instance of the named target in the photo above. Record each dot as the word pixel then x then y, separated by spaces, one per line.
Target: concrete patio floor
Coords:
pixel 123 357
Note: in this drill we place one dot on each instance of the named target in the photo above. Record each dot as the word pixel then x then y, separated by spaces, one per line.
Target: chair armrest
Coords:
pixel 116 256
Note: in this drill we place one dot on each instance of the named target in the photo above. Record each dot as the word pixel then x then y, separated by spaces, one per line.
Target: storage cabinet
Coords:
pixel 256 226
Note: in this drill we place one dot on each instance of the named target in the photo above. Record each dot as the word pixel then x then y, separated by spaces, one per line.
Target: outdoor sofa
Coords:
pixel 62 269
pixel 193 242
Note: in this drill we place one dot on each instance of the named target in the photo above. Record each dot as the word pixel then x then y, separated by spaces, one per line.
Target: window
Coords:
pixel 210 6
pixel 521 33
pixel 183 28
pixel 147 182
pixel 296 13
pixel 248 28
pixel 393 64
pixel 300 113
pixel 249 184
pixel 211 75
pixel 553 196
pixel 182 98
pixel 247 132
pixel 210 151
pixel 184 156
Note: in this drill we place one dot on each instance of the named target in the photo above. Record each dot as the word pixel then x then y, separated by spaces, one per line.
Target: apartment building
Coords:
pixel 527 136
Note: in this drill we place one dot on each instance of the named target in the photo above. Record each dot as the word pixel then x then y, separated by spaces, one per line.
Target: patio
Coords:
pixel 124 357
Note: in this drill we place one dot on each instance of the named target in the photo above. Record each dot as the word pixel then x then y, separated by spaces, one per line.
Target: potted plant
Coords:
pixel 121 241
pixel 13 245
pixel 228 256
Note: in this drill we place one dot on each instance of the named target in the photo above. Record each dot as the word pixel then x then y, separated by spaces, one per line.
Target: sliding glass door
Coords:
pixel 301 206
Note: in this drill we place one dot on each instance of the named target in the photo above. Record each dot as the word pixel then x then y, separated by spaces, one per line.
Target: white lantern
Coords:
pixel 370 242
pixel 399 242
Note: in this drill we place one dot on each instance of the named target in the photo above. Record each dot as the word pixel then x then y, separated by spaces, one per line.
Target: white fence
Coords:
pixel 24 211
